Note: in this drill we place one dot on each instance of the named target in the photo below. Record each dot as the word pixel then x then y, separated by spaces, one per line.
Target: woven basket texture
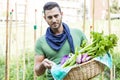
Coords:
pixel 85 71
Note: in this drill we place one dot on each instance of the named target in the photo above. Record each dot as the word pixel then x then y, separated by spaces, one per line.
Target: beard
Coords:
pixel 56 25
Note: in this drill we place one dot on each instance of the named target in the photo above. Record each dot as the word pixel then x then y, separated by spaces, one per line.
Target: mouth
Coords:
pixel 55 24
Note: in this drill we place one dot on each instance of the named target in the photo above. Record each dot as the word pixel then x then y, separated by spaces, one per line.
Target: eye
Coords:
pixel 56 15
pixel 49 17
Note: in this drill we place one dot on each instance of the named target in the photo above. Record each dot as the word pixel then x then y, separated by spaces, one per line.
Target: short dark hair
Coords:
pixel 50 5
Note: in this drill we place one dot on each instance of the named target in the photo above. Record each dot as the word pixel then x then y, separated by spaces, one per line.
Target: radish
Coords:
pixel 88 58
pixel 64 59
pixel 84 56
pixel 79 59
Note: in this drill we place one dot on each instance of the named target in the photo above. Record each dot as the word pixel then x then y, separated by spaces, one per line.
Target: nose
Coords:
pixel 53 19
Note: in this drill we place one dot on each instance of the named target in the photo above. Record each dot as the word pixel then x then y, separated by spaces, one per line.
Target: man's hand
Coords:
pixel 41 64
pixel 47 63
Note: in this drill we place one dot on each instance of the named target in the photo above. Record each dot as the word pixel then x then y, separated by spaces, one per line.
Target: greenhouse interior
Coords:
pixel 23 22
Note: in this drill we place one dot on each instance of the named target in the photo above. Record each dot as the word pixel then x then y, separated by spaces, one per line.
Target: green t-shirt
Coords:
pixel 42 48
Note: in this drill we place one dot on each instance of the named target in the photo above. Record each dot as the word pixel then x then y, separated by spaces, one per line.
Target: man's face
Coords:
pixel 53 17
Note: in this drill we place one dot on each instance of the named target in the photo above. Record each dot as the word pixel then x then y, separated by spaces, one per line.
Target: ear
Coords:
pixel 44 17
pixel 62 13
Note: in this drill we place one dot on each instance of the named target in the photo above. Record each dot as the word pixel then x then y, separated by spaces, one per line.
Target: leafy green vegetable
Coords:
pixel 100 45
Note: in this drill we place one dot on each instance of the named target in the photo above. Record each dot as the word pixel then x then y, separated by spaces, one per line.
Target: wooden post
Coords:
pixel 84 20
pixel 35 27
pixel 93 12
pixel 109 28
pixel 109 20
pixel 9 39
pixel 7 54
pixel 114 72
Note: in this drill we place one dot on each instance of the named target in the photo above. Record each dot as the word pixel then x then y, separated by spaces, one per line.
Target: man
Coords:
pixel 58 41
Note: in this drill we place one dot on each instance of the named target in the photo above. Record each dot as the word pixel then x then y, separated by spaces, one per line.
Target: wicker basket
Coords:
pixel 85 71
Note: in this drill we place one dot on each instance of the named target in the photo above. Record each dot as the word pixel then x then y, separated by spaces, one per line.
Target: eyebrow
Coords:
pixel 56 15
pixel 53 15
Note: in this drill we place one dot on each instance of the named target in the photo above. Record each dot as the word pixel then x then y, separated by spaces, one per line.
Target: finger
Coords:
pixel 49 62
pixel 48 66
